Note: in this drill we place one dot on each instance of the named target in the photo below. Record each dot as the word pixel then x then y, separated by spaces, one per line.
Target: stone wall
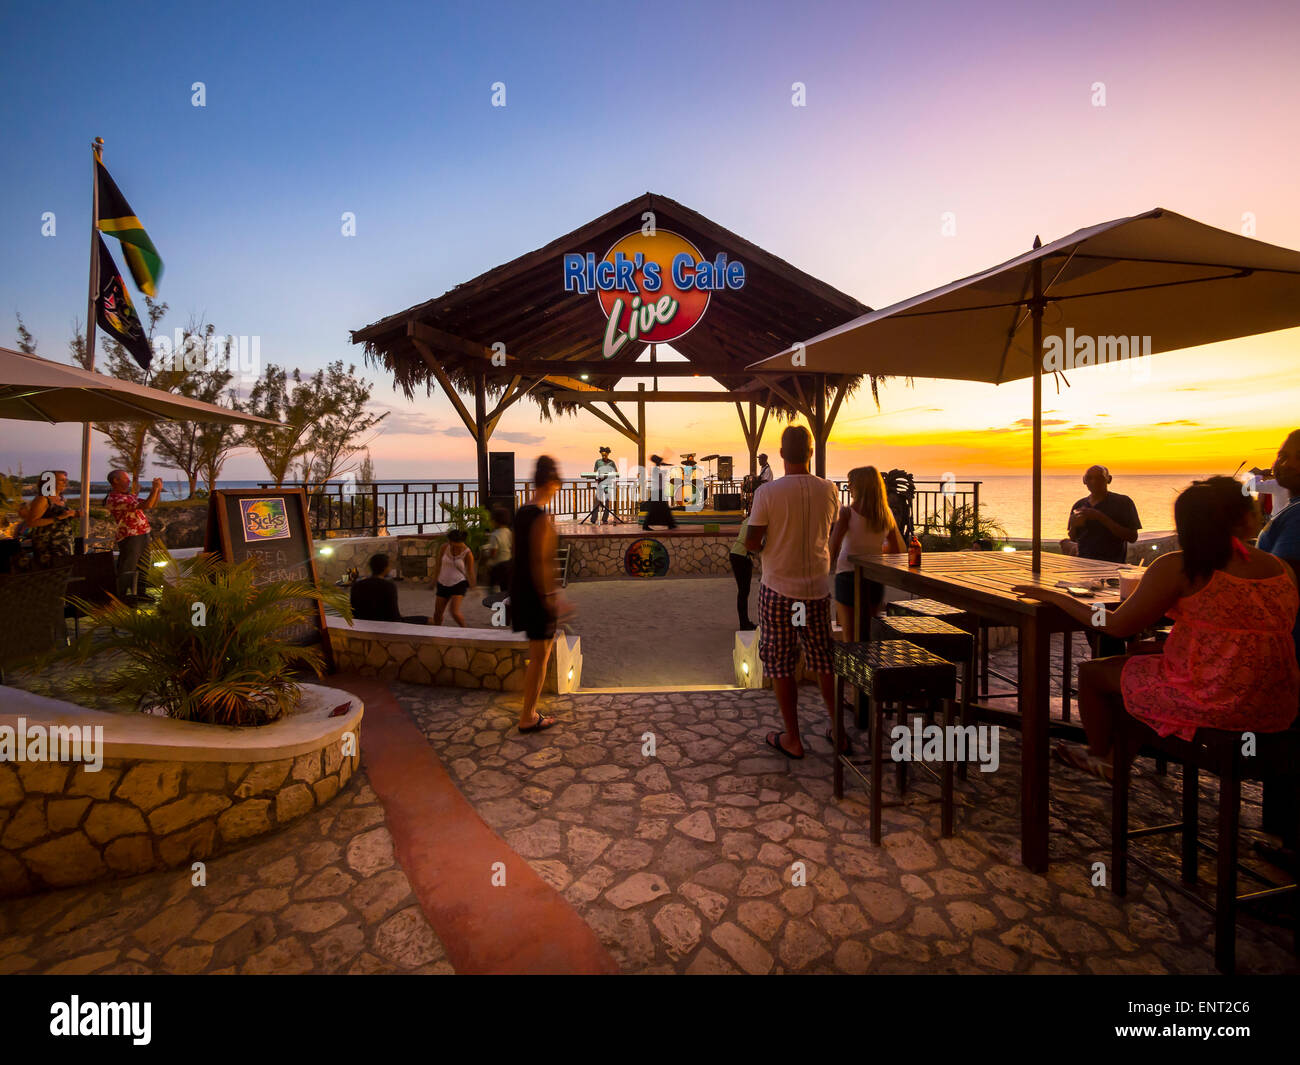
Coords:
pixel 63 824
pixel 592 558
pixel 447 656
pixel 601 557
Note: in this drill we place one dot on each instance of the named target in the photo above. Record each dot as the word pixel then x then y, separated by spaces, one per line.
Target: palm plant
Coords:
pixel 961 528
pixel 212 646
pixel 474 522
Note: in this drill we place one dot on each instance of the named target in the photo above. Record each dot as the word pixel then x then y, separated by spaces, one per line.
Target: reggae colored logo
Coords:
pixel 264 519
pixel 646 558
pixel 653 287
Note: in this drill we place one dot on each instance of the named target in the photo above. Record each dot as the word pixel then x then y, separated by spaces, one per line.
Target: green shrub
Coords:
pixel 233 669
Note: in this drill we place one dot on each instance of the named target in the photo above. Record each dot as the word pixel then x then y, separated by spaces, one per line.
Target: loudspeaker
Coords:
pixel 501 474
pixel 728 501
pixel 724 468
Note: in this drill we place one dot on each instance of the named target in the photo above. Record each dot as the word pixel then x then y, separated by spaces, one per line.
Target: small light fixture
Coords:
pixel 160 565
pixel 570 674
pixel 1008 549
pixel 327 551
pixel 744 668
pixel 585 377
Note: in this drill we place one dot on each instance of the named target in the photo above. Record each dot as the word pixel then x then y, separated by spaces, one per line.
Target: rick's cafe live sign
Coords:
pixel 653 286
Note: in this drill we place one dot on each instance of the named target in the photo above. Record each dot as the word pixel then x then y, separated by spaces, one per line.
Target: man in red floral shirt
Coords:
pixel 132 533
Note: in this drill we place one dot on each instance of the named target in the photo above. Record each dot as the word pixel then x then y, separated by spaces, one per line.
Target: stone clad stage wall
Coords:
pixel 597 551
pixel 168 792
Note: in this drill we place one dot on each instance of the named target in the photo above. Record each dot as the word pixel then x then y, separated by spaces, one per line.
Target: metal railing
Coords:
pixel 376 508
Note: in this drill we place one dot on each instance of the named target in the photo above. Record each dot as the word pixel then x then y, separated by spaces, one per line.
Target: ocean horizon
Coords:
pixel 1004 498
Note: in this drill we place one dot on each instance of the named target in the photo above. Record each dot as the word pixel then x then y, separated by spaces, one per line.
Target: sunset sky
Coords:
pixel 913 110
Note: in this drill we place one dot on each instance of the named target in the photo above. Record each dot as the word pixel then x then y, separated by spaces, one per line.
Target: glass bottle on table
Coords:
pixel 914 553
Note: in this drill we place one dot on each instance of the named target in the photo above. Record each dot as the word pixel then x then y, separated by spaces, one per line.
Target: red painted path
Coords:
pixel 448 853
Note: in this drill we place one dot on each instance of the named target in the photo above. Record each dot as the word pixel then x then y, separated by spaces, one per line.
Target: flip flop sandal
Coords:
pixel 541 725
pixel 776 746
pixel 848 743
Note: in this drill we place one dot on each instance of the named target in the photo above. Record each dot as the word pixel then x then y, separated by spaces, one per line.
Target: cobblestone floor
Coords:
pixel 684 862
pixel 324 896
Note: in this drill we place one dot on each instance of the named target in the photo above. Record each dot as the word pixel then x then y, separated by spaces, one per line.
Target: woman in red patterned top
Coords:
pixel 132 533
pixel 1229 662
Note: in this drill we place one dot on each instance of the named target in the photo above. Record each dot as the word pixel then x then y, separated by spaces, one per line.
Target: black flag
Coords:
pixel 115 312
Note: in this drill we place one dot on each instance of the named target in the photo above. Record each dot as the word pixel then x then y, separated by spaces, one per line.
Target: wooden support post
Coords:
pixel 640 442
pixel 481 437
pixel 751 438
pixel 819 425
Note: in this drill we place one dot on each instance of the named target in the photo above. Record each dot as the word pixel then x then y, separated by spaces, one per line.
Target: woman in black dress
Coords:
pixel 534 601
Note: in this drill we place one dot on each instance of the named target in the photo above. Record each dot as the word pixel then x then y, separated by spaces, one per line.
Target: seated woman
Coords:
pixel 1229 662
pixel 865 527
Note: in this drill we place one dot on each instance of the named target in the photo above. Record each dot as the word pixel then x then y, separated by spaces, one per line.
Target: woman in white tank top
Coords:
pixel 865 527
pixel 453 575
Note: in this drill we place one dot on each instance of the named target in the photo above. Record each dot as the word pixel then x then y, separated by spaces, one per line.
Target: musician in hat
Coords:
pixel 606 478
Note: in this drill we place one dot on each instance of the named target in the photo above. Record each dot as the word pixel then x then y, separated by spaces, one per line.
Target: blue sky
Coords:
pixel 385 110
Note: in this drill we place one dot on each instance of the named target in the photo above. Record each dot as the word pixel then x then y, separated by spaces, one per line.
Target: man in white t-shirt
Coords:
pixel 764 470
pixel 791 524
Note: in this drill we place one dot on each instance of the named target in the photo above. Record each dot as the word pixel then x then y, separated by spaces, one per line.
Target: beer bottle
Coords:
pixel 914 553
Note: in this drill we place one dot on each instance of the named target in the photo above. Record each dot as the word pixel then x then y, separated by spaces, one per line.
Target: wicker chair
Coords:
pixel 31 614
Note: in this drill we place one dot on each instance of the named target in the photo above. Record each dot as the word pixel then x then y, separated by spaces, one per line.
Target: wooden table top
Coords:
pixel 987 577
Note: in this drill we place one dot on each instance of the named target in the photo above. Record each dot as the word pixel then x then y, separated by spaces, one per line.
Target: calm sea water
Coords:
pixel 1009 500
pixel 1004 498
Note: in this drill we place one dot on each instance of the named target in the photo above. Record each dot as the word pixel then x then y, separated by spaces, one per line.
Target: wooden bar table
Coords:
pixel 980 582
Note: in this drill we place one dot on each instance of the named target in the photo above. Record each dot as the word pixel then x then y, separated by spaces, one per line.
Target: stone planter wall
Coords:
pixel 166 795
pixel 449 656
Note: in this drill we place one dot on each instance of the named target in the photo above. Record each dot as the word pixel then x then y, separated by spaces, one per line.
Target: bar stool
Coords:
pixel 1277 756
pixel 953 615
pixel 939 638
pixel 888 672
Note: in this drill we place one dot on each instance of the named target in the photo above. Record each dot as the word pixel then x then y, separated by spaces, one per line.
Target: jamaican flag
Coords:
pixel 115 313
pixel 117 219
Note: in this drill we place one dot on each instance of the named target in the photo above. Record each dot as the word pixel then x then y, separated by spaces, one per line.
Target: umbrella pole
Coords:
pixel 1036 312
pixel 91 303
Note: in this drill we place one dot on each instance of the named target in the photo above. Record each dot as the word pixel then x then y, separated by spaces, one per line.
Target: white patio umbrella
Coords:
pixel 1160 278
pixel 36 389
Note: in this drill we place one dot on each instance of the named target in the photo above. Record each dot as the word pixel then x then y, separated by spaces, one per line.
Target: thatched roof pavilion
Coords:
pixel 553 339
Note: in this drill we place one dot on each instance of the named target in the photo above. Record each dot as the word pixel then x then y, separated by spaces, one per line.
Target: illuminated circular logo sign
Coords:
pixel 653 287
pixel 646 558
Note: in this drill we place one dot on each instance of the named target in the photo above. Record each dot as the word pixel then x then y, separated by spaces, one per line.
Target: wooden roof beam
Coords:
pixel 443 380
pixel 627 432
pixel 438 338
pixel 599 396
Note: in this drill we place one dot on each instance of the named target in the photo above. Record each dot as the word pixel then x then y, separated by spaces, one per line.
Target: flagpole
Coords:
pixel 91 299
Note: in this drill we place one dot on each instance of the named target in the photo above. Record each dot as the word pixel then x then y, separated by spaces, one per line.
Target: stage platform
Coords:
pixel 686 526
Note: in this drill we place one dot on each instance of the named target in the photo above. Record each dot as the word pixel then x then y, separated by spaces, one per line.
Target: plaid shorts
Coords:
pixel 779 638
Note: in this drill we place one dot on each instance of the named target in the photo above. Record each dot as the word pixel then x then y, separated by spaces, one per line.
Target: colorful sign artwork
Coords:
pixel 646 558
pixel 264 519
pixel 653 287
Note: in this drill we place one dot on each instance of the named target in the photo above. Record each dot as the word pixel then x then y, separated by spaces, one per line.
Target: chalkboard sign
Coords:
pixel 271 525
